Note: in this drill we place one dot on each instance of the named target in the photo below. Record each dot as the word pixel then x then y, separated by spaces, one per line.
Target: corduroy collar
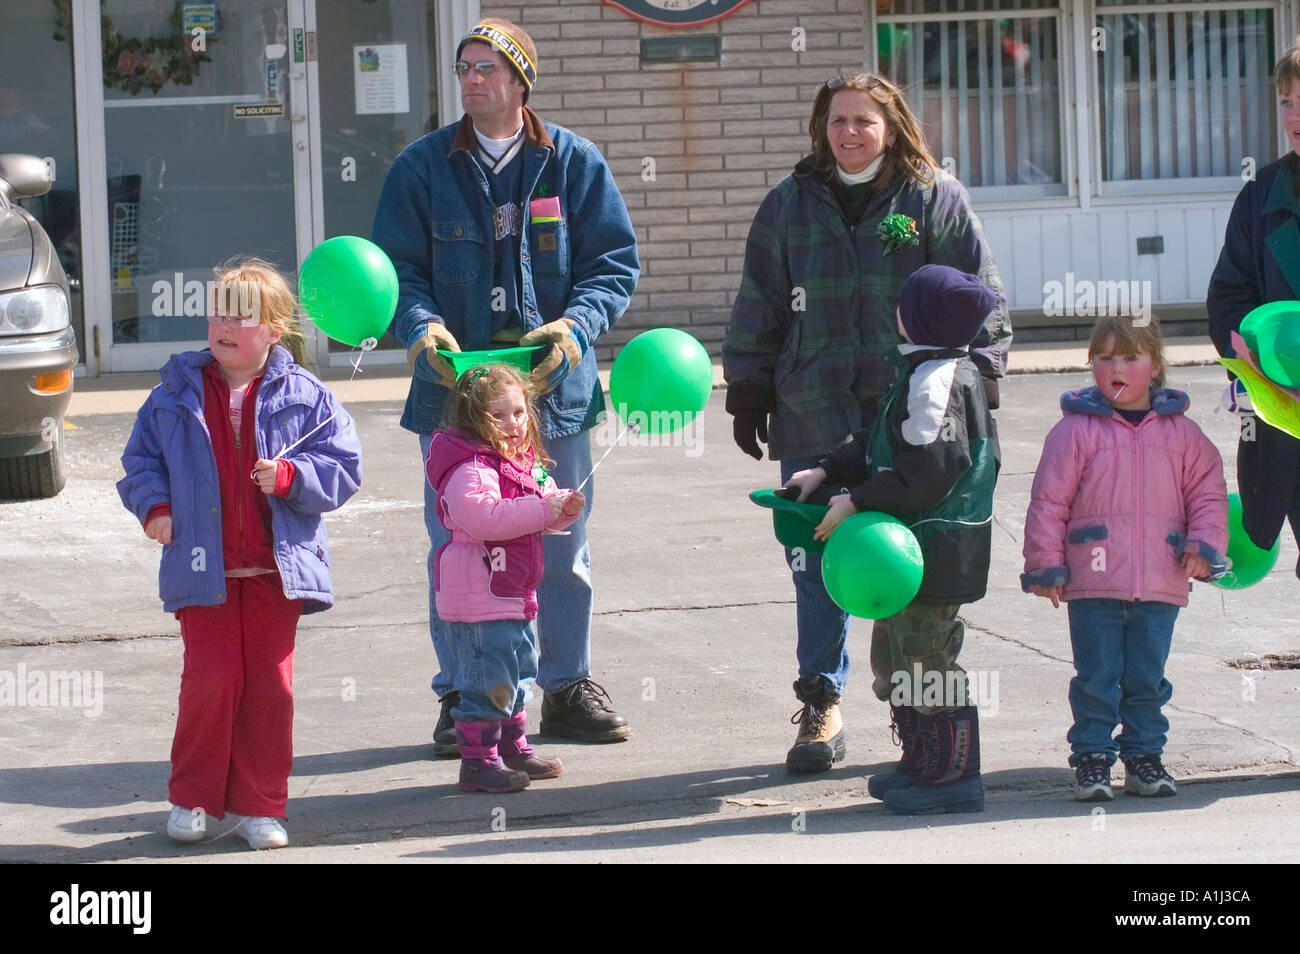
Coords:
pixel 535 134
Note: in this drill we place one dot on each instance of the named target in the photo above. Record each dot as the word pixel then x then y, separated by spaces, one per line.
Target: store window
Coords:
pixel 38 116
pixel 985 79
pixel 1185 93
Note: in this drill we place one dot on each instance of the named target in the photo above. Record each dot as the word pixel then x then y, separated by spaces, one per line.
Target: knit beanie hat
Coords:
pixel 509 47
pixel 943 307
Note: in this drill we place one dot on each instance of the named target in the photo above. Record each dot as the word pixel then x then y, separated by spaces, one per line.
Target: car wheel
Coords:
pixel 36 475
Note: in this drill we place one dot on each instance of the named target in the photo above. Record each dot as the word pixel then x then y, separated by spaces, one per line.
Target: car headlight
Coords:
pixel 33 311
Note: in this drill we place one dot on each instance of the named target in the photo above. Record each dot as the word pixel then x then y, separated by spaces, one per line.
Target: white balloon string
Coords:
pixel 634 427
pixel 366 345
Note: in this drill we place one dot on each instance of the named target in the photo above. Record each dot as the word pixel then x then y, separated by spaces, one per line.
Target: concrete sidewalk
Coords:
pixel 124 393
pixel 693 638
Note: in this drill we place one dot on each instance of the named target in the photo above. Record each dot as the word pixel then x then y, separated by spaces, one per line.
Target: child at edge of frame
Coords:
pixel 1128 504
pixel 233 459
pixel 930 460
pixel 496 500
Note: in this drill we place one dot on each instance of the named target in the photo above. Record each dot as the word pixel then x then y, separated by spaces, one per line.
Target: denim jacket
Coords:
pixel 169 459
pixel 434 220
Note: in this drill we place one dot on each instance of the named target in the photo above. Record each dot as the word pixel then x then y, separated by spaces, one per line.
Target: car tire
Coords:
pixel 36 475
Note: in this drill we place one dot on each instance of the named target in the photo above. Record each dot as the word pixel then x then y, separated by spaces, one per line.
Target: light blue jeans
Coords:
pixel 564 598
pixel 1120 650
pixel 497 663
pixel 822 648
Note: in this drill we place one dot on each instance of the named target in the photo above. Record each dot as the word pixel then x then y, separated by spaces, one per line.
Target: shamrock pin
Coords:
pixel 898 231
pixel 540 475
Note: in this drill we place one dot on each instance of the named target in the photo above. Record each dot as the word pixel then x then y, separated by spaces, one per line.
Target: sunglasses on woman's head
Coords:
pixel 838 83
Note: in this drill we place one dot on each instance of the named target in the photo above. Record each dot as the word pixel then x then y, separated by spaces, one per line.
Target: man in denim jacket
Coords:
pixel 509 231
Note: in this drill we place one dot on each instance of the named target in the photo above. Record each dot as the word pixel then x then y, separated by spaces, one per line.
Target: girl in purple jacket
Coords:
pixel 1128 504
pixel 233 459
pixel 496 500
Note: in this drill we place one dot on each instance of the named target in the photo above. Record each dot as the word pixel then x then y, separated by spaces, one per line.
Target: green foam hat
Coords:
pixel 1272 332
pixel 793 522
pixel 521 359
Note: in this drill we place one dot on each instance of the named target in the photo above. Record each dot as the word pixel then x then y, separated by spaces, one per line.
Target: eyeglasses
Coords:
pixel 482 68
pixel 234 321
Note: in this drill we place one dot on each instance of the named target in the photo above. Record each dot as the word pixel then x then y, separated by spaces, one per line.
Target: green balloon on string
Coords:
pixel 660 380
pixel 348 288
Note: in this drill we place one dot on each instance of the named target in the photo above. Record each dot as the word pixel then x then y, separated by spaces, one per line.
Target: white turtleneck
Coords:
pixel 857 178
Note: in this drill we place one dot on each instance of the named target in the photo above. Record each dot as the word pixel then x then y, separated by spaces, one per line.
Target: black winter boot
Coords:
pixel 904 728
pixel 950 781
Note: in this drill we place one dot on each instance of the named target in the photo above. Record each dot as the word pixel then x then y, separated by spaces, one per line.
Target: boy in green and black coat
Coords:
pixel 931 461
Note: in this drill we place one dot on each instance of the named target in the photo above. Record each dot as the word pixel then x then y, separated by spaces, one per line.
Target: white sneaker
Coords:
pixel 262 832
pixel 186 824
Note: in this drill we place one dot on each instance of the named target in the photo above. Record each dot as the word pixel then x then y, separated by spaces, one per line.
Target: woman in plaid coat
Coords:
pixel 804 357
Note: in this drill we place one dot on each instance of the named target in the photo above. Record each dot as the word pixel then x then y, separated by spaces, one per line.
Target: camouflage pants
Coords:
pixel 914 659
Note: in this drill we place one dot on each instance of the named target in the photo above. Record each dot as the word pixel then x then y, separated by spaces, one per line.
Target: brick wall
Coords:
pixel 720 135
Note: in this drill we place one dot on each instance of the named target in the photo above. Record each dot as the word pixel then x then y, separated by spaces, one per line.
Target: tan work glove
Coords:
pixel 564 356
pixel 435 336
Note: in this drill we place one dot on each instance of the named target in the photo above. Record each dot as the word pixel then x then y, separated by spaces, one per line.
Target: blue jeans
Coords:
pixel 564 598
pixel 497 663
pixel 1120 650
pixel 823 627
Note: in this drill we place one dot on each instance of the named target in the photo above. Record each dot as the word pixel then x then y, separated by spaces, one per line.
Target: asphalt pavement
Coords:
pixel 693 637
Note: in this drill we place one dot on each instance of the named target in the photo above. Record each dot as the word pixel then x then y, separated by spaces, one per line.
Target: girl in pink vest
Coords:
pixel 496 500
pixel 1128 504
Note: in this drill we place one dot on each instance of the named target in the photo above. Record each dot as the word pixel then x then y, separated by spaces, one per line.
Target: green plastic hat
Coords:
pixel 793 521
pixel 1272 332
pixel 521 359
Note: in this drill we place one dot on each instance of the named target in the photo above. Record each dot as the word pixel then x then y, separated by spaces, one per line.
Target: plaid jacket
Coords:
pixel 816 311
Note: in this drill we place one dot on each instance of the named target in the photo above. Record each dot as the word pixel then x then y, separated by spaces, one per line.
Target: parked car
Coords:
pixel 38 348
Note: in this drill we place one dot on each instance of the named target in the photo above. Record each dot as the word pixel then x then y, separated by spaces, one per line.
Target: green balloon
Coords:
pixel 1249 564
pixel 348 288
pixel 872 566
pixel 661 380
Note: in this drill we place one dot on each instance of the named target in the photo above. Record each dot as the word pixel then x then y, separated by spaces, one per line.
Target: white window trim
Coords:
pixel 1080 93
pixel 1209 188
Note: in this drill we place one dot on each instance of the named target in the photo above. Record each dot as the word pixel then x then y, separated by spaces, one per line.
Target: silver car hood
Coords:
pixel 15 248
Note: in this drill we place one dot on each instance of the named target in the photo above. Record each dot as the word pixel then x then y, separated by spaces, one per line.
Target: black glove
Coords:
pixel 749 427
pixel 750 404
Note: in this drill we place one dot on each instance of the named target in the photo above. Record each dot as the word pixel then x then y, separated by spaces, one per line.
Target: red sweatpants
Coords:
pixel 233 748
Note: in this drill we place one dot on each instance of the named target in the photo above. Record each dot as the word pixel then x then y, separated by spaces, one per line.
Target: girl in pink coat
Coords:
pixel 1128 504
pixel 496 500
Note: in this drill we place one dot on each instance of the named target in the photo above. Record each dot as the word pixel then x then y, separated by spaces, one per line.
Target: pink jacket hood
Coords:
pixel 1115 506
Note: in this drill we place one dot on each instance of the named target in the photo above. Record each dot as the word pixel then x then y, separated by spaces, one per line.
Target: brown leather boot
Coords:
pixel 517 754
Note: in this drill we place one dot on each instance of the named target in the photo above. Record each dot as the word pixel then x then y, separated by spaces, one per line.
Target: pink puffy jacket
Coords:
pixel 495 513
pixel 1114 507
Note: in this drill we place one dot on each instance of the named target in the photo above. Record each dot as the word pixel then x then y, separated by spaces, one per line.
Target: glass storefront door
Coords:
pixel 199 137
pixel 377 94
pixel 236 127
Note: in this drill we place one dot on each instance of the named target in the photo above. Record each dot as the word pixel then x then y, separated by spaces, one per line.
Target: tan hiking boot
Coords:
pixel 820 742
